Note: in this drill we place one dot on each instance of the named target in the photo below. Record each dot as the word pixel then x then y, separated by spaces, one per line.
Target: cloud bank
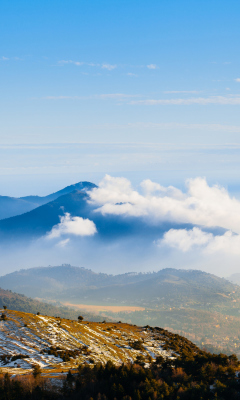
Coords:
pixel 209 206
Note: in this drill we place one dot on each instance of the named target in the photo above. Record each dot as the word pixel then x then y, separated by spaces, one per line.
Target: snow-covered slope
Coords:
pixel 27 339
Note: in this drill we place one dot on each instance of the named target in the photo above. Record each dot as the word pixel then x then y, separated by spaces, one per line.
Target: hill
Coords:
pixel 11 206
pixel 22 303
pixel 58 343
pixel 51 358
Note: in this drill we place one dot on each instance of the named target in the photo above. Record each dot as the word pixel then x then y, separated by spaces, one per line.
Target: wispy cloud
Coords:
pixel 181 91
pixel 237 79
pixel 109 67
pixel 152 66
pixel 63 243
pixel 4 58
pixel 131 74
pixel 221 100
pixel 104 96
pixel 178 125
pixel 78 63
pixel 115 96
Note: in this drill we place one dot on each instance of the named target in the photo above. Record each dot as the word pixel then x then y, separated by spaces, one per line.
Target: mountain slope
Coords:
pixel 11 206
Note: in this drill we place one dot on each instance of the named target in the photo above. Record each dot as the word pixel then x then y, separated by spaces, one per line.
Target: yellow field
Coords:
pixel 97 308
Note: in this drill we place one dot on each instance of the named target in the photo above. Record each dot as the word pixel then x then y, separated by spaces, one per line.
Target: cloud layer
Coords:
pixel 204 205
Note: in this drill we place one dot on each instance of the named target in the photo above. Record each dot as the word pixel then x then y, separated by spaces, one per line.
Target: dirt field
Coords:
pixel 97 308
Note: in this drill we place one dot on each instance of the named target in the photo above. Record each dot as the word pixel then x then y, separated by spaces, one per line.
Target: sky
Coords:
pixel 131 88
pixel 135 90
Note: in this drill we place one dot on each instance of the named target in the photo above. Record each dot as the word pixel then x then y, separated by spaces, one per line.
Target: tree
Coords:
pixel 80 318
pixel 4 307
pixel 38 313
pixel 4 317
pixel 36 371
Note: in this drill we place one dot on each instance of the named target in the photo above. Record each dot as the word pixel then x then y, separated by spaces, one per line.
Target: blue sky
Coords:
pixel 130 88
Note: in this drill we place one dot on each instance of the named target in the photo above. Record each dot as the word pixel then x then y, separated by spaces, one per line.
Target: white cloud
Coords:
pixel 4 58
pixel 202 204
pixel 152 66
pixel 72 226
pixel 109 67
pixel 237 79
pixel 186 240
pixel 222 100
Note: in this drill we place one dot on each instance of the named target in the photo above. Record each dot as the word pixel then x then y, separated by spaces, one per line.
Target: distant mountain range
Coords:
pixel 169 287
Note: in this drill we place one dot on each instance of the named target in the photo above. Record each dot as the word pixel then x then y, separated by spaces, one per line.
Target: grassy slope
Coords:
pixel 59 344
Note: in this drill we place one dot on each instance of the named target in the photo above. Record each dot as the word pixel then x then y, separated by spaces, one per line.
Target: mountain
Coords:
pixel 38 222
pixel 39 201
pixel 11 206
